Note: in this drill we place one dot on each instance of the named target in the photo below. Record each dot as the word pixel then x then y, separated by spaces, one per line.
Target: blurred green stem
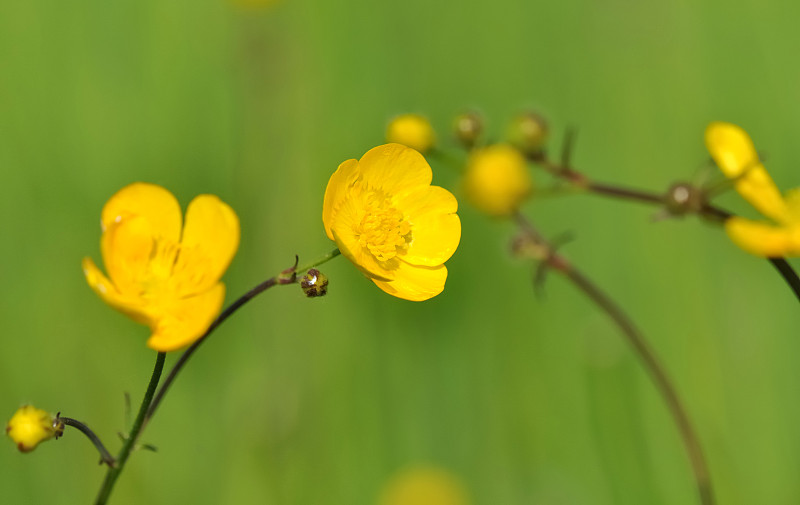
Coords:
pixel 535 246
pixel 113 471
pixel 105 456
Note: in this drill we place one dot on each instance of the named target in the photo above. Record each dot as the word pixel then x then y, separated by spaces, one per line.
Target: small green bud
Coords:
pixel 314 283
pixel 468 127
pixel 528 132
pixel 682 198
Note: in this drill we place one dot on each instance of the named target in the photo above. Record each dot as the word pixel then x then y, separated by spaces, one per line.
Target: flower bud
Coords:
pixel 411 130
pixel 683 198
pixel 528 133
pixel 497 180
pixel 30 426
pixel 468 127
pixel 314 283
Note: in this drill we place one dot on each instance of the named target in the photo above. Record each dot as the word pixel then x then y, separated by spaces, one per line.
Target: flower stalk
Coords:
pixel 105 456
pixel 533 245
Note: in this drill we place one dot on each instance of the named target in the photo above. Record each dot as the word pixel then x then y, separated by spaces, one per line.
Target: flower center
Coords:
pixel 383 229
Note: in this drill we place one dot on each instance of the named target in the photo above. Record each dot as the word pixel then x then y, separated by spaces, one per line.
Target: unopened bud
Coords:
pixel 30 426
pixel 468 127
pixel 683 198
pixel 314 283
pixel 411 130
pixel 528 133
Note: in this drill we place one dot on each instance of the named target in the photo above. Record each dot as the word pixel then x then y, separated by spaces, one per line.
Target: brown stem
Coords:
pixel 641 348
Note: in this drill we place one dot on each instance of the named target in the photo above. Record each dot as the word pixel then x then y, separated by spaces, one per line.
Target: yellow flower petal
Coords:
pixel 209 242
pixel 133 307
pixel 415 283
pixel 394 169
pixel 183 320
pixel 735 154
pixel 435 227
pixel 29 427
pixel 128 247
pixel 149 201
pixel 338 185
pixel 497 180
pixel 763 239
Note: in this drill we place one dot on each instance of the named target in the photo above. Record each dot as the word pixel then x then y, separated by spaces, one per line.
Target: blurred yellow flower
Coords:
pixel 411 130
pixel 391 223
pixel 30 426
pixel 162 272
pixel 736 156
pixel 424 486
pixel 497 180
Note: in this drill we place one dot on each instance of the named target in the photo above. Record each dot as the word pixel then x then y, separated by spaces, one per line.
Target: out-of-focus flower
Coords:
pixel 162 272
pixel 735 154
pixel 497 180
pixel 528 133
pixel 391 223
pixel 30 426
pixel 411 130
pixel 425 485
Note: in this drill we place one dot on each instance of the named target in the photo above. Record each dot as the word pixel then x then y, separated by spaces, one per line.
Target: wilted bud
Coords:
pixel 30 426
pixel 497 180
pixel 468 127
pixel 411 130
pixel 314 283
pixel 683 198
pixel 528 133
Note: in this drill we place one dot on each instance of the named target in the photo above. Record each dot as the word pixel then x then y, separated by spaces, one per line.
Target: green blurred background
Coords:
pixel 298 401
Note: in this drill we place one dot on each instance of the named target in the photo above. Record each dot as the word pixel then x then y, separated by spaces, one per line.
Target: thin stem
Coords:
pixel 287 276
pixel 788 274
pixel 541 249
pixel 105 456
pixel 662 382
pixel 130 441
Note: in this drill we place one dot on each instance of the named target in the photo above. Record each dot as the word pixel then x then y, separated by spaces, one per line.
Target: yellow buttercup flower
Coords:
pixel 424 486
pixel 736 156
pixel 391 223
pixel 162 272
pixel 497 180
pixel 411 130
pixel 30 426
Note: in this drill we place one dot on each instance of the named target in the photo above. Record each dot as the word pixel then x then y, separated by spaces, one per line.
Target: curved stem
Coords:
pixel 125 452
pixel 105 456
pixel 287 276
pixel 660 378
pixel 538 248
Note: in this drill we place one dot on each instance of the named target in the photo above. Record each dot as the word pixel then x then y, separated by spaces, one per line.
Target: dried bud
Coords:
pixel 528 133
pixel 30 426
pixel 314 283
pixel 411 130
pixel 682 198
pixel 468 127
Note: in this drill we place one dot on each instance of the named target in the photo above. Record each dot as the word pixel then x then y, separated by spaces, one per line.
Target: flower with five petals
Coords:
pixel 163 272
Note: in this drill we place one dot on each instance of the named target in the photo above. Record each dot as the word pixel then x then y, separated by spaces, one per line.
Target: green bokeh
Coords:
pixel 299 401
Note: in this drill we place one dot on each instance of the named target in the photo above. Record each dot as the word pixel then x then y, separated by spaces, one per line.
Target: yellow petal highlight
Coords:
pixel 184 320
pixel 435 227
pixel 341 180
pixel 415 283
pixel 763 239
pixel 395 169
pixel 209 242
pixel 497 180
pixel 411 130
pixel 160 273
pixel 149 201
pixel 424 485
pixel 388 220
pixel 735 154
